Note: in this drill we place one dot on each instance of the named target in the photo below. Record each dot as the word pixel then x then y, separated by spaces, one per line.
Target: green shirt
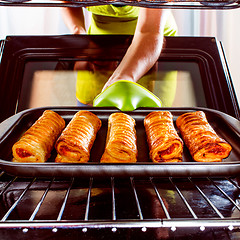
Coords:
pixel 110 19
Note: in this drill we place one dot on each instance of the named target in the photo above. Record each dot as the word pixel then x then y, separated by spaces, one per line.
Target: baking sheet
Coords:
pixel 226 127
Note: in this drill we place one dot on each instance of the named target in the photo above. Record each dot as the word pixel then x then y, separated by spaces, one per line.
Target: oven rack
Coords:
pixel 171 203
pixel 174 4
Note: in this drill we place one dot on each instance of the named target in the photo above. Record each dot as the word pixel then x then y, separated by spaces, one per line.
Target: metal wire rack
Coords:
pixel 118 203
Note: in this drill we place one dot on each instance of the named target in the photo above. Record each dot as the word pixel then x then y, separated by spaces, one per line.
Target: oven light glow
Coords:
pixel 173 228
pixel 25 230
pixel 230 227
pixel 202 228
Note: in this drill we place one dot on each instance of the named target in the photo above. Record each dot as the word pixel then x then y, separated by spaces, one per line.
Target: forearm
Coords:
pixel 139 58
pixel 145 48
pixel 74 19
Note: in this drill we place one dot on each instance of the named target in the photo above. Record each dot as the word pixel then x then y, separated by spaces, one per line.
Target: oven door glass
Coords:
pixel 64 83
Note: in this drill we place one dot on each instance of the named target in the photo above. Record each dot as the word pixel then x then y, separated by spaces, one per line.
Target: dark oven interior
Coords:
pixel 191 71
pixel 150 207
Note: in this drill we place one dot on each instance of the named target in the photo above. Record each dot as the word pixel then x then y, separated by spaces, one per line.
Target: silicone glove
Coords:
pixel 126 96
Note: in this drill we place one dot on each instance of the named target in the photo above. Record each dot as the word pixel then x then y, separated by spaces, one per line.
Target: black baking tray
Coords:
pixel 226 126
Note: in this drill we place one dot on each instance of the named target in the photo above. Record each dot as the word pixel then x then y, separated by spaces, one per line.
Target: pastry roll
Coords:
pixel 200 138
pixel 75 142
pixel 121 142
pixel 38 141
pixel 164 143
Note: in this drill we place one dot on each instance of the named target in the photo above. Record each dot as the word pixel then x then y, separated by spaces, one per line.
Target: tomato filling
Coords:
pixel 217 150
pixel 165 152
pixel 22 153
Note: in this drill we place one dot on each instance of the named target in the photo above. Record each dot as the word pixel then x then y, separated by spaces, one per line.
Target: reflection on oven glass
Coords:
pixel 51 88
pixel 91 78
pixel 177 84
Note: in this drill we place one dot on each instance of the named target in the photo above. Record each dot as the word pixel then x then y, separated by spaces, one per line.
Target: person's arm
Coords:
pixel 74 19
pixel 145 48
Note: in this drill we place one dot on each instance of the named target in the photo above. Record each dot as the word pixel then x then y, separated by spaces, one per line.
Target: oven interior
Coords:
pixel 112 207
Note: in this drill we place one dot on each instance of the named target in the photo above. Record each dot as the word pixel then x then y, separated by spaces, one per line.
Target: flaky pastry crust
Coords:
pixel 202 141
pixel 38 141
pixel 164 143
pixel 121 142
pixel 75 142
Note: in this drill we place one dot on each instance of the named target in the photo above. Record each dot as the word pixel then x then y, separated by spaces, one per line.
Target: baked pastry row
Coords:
pixel 74 143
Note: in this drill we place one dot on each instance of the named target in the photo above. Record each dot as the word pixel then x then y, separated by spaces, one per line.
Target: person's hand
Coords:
pixel 107 84
pixel 78 30
pixel 111 81
pixel 74 19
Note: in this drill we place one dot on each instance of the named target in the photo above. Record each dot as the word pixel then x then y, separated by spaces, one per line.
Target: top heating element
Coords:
pixel 192 4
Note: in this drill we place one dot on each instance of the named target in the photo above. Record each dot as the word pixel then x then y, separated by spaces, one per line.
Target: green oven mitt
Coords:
pixel 126 96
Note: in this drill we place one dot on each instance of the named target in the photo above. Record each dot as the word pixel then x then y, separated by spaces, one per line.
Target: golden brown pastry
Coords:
pixel 200 138
pixel 75 142
pixel 164 143
pixel 38 141
pixel 121 142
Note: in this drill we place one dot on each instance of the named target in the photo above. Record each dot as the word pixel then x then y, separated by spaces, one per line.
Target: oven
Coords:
pixel 187 200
